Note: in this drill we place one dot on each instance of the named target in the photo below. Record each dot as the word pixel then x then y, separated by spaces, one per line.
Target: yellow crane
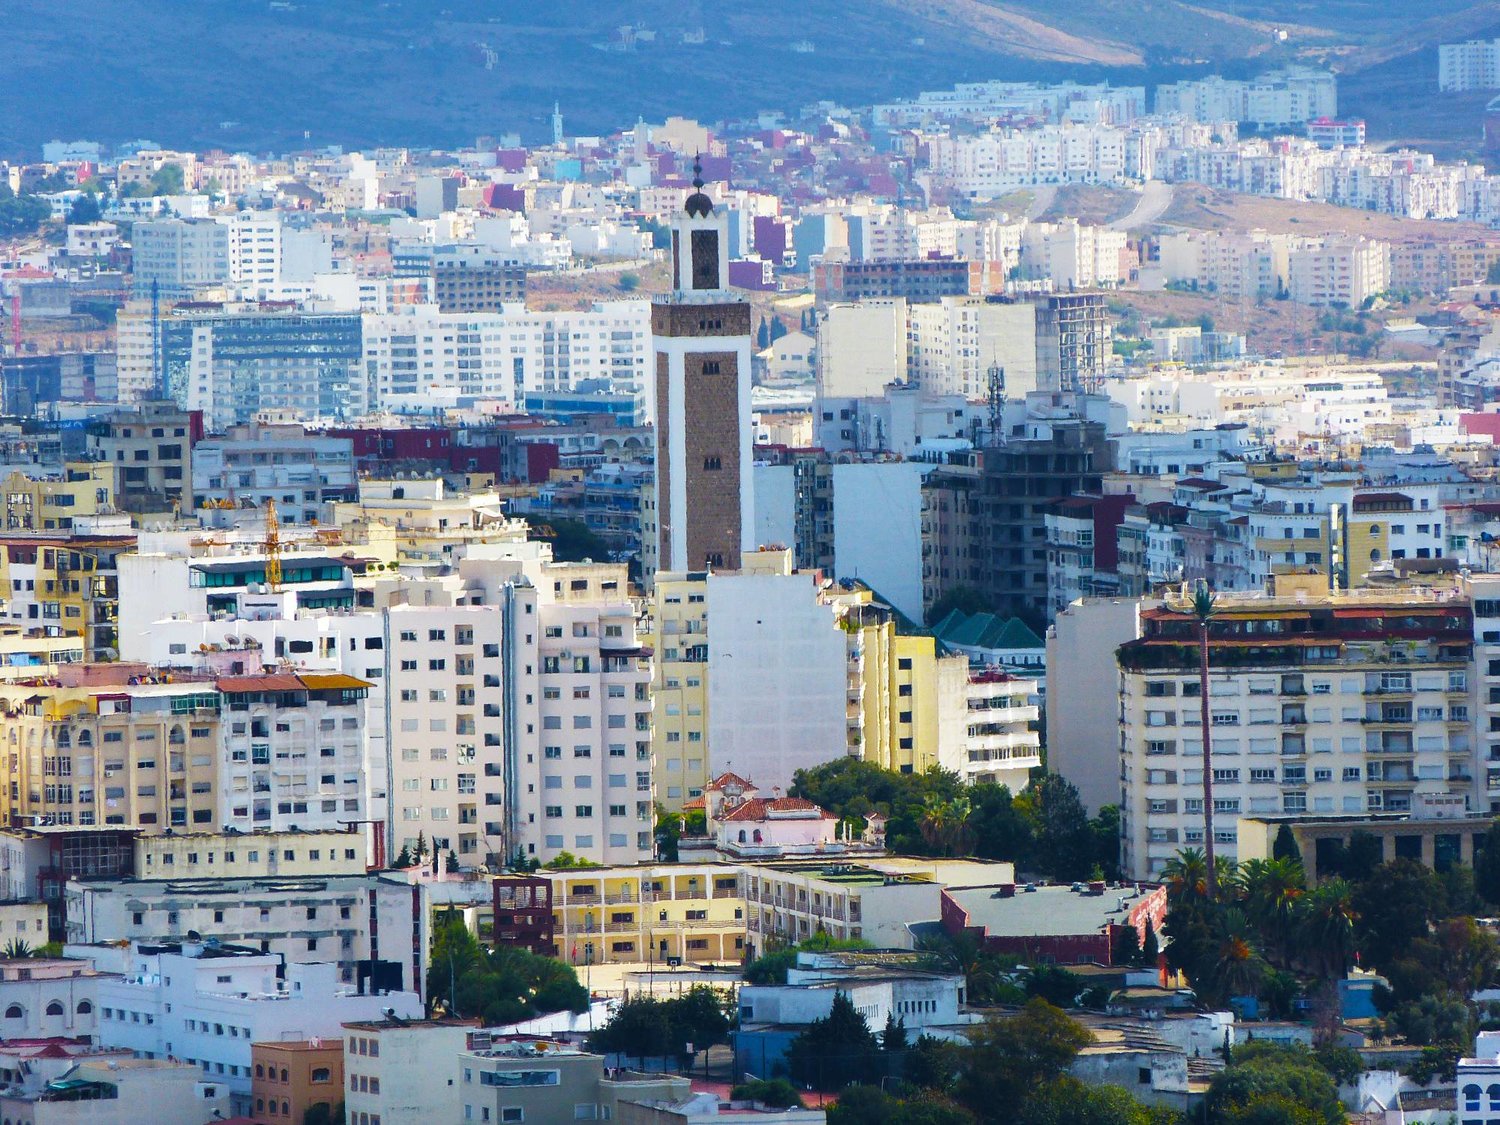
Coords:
pixel 273 546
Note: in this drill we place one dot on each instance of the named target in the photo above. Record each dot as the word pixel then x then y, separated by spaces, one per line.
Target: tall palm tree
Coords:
pixel 1271 889
pixel 1203 610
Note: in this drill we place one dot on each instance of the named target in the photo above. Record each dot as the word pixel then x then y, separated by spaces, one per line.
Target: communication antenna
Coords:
pixel 995 393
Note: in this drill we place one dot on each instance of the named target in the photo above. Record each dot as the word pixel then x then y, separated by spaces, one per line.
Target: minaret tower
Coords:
pixel 704 442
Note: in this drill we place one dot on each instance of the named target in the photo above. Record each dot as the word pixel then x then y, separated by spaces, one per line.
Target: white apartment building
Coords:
pixel 403 1072
pixel 1342 272
pixel 346 920
pixel 1002 748
pixel 956 342
pixel 421 353
pixel 254 239
pixel 254 463
pixel 1074 255
pixel 1474 65
pixel 992 164
pixel 292 751
pixel 206 1004
pixel 176 257
pixel 772 638
pixel 1364 708
pixel 1286 97
pixel 861 347
pixel 587 785
pixel 49 996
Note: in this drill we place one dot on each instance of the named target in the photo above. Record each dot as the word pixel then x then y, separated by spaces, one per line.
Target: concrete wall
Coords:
pixel 1082 738
pixel 877 529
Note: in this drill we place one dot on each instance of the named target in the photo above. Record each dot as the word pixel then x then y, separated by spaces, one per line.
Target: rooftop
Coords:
pixel 1045 912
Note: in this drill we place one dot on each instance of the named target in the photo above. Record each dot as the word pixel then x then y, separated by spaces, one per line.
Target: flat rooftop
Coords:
pixel 1045 912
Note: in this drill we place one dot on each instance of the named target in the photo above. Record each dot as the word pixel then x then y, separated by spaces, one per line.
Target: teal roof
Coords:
pixel 986 630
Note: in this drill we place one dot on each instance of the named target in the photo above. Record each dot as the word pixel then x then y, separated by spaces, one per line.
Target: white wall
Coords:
pixel 775 505
pixel 776 684
pixel 877 529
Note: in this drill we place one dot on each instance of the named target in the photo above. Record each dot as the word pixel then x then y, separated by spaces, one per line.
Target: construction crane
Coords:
pixel 272 546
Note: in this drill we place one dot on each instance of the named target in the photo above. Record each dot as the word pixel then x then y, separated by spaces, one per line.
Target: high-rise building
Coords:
pixel 701 333
pixel 176 257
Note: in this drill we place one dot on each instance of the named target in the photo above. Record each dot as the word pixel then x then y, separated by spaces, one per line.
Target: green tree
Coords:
pixel 1434 1020
pixel 1325 926
pixel 870 1105
pixel 1487 855
pixel 1126 947
pixel 322 1113
pixel 629 282
pixel 21 215
pixel 85 209
pixel 1395 907
pixel 1150 946
pixel 168 180
pixel 1265 1081
pixel 837 1050
pixel 1067 1101
pixel 1344 1064
pixel 967 599
pixel 572 541
pixel 503 985
pixel 777 1093
pixel 1012 1055
pixel 1285 845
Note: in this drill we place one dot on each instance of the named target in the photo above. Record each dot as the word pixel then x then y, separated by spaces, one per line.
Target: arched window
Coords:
pixel 1494 1093
pixel 64 736
pixel 283 1074
pixel 273 1107
pixel 260 1072
pixel 757 835
pixel 85 1008
pixel 260 1103
pixel 15 1012
pixel 742 835
pixel 322 1074
pixel 286 1108
pixel 85 738
pixel 175 736
pixel 55 1008
pixel 1471 1098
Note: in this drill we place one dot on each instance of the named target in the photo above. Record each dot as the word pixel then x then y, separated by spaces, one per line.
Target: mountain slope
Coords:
pixel 245 74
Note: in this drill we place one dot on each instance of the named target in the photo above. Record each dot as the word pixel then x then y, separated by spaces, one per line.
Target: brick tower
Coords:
pixel 701 339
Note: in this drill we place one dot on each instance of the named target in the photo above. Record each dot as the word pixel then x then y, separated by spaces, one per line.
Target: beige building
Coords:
pixel 875 900
pixel 403 1072
pixel 110 752
pixel 291 1078
pixel 246 855
pixel 23 923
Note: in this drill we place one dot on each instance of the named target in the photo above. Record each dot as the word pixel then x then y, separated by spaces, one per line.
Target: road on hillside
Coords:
pixel 1045 194
pixel 1156 197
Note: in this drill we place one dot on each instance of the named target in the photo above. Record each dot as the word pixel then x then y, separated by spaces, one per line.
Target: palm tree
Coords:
pixel 1272 888
pixel 1324 926
pixel 1203 610
pixel 1239 968
pixel 945 824
pixel 1185 874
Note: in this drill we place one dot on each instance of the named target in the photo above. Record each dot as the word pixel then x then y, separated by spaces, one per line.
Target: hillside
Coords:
pixel 250 74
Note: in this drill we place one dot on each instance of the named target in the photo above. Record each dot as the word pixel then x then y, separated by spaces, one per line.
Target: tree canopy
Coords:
pixel 503 985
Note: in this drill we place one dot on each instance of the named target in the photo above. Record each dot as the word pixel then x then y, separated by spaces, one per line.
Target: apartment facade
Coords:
pixel 690 912
pixel 1318 703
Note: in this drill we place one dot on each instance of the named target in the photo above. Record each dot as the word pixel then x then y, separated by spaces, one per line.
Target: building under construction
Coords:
pixel 1072 341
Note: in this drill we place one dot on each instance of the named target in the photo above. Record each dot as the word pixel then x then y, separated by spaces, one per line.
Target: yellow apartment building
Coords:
pixel 85 488
pixel 679 701
pixel 653 913
pixel 141 755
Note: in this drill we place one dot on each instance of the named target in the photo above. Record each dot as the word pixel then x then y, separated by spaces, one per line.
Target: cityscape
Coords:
pixel 973 602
